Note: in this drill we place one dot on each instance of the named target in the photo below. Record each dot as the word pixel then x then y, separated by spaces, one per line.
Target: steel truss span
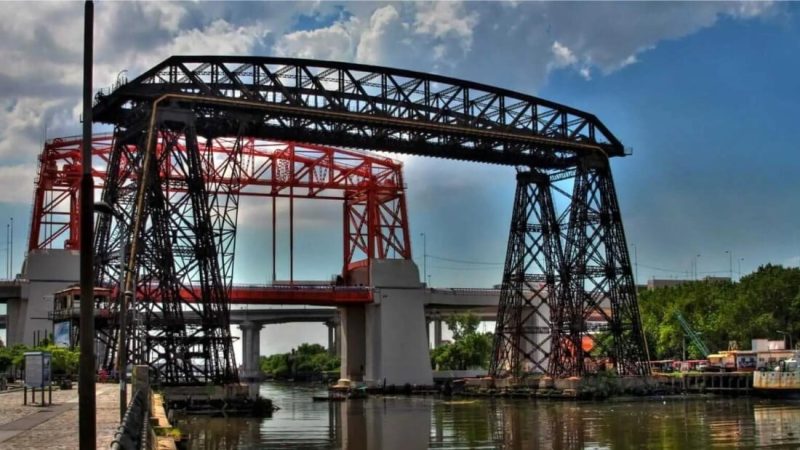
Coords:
pixel 369 186
pixel 568 304
pixel 267 169
pixel 366 107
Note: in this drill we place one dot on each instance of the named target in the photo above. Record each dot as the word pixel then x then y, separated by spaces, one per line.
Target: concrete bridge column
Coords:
pixel 331 337
pixel 251 348
pixel 397 348
pixel 437 332
pixel 246 328
pixel 537 341
pixel 354 352
pixel 337 337
pixel 427 329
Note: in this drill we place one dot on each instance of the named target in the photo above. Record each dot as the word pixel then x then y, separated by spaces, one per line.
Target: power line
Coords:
pixel 680 271
pixel 463 261
pixel 485 269
pixel 488 263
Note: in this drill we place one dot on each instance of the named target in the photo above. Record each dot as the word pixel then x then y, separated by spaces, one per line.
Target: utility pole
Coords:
pixel 424 260
pixel 730 263
pixel 87 414
pixel 696 271
pixel 11 251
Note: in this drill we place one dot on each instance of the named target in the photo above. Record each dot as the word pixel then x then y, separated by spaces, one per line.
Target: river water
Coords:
pixel 426 422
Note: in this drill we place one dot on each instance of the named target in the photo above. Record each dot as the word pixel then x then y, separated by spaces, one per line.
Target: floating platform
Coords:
pixel 224 401
pixel 328 398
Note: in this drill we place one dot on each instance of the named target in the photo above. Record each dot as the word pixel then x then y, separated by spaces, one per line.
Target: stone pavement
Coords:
pixel 56 426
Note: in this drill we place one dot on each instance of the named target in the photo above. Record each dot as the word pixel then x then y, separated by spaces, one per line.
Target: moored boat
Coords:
pixel 348 389
pixel 784 381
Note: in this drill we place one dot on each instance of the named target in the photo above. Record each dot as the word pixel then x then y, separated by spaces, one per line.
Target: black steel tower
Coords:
pixel 521 341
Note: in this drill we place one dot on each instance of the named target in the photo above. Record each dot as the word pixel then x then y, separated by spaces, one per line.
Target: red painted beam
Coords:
pixel 301 295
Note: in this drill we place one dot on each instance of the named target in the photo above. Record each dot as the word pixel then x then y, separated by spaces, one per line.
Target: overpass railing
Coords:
pixel 467 291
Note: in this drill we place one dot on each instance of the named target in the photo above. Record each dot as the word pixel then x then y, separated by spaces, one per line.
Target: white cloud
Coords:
pixel 336 42
pixel 750 9
pixel 384 26
pixel 219 38
pixel 168 15
pixel 510 45
pixel 609 36
pixel 446 20
pixel 563 55
pixel 16 183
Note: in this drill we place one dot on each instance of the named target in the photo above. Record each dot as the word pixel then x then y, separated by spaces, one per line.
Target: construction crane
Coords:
pixel 692 335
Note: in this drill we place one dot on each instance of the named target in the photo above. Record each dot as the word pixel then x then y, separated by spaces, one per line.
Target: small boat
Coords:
pixel 348 389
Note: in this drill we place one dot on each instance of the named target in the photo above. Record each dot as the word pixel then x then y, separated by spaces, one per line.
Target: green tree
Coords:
pixel 758 306
pixel 62 359
pixel 6 361
pixel 469 348
pixel 307 359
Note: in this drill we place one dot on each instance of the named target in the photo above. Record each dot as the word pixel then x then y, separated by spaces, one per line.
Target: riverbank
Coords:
pixel 55 426
pixel 602 387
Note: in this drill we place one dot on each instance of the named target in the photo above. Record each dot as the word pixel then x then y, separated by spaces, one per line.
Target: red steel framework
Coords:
pixel 370 186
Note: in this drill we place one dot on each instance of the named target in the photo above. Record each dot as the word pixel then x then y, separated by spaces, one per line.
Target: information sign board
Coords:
pixel 37 369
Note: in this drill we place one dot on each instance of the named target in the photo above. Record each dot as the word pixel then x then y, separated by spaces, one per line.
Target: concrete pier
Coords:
pixel 251 349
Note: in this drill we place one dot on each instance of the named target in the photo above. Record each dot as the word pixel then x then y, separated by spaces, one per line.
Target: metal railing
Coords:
pixel 467 291
pixel 133 431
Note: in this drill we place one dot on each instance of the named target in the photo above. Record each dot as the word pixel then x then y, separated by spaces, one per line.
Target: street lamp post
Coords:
pixel 8 253
pixel 696 271
pixel 87 407
pixel 424 259
pixel 730 263
pixel 11 250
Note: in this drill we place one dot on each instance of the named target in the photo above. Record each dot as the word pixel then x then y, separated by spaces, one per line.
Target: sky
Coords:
pixel 702 93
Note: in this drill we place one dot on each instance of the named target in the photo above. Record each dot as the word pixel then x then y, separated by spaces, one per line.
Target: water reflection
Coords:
pixel 418 423
pixel 777 424
pixel 644 424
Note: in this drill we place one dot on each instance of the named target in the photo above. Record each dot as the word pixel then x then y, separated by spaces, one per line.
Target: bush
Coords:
pixel 469 347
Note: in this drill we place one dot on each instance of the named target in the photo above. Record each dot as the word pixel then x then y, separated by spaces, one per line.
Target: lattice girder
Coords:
pixel 597 284
pixel 522 335
pixel 370 107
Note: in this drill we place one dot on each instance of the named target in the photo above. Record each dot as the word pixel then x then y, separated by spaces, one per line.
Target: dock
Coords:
pixel 712 382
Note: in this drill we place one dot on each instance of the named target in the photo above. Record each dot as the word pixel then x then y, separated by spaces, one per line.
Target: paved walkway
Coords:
pixel 55 426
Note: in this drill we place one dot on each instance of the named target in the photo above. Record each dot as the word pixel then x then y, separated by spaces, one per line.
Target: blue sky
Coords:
pixel 704 94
